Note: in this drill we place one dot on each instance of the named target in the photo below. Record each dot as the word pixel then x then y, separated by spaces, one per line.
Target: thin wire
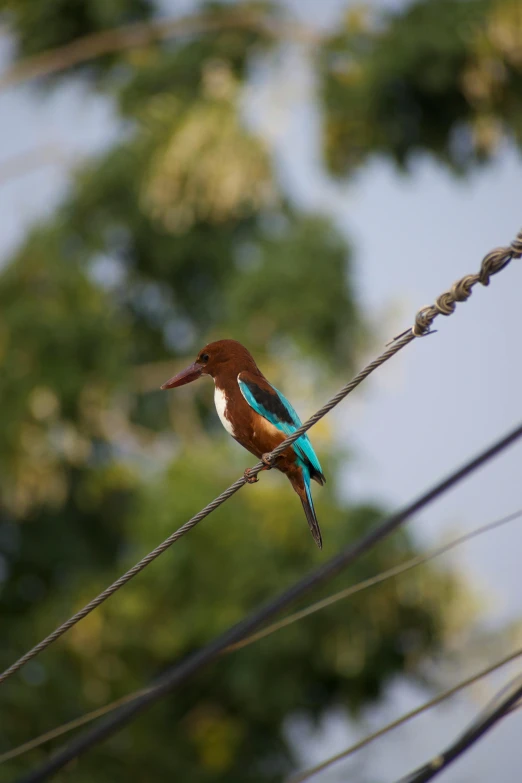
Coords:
pixel 492 263
pixel 311 771
pixel 41 646
pixel 144 562
pixel 77 723
pixel 500 706
pixel 180 673
pixel 372 581
pixel 316 607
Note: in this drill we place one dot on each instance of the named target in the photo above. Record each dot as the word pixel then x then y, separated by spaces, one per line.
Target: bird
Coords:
pixel 257 416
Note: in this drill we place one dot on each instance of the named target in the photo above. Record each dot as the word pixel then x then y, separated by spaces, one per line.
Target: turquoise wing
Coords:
pixel 270 403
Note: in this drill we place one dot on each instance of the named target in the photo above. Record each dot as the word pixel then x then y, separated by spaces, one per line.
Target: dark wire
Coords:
pixel 290 619
pixel 496 709
pixel 195 520
pixel 445 304
pixel 181 672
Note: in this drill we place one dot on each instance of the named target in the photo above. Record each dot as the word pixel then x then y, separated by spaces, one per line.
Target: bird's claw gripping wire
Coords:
pixel 459 292
pixel 266 459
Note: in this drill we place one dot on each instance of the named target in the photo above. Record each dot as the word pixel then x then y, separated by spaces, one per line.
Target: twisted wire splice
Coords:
pixel 462 289
pixel 492 263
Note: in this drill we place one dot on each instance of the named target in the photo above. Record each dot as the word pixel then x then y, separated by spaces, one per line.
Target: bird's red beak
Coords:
pixel 185 376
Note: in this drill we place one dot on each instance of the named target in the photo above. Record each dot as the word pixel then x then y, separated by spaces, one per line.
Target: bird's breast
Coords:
pixel 220 400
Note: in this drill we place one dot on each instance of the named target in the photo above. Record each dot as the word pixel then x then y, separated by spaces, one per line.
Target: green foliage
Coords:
pixel 177 70
pixel 226 725
pixel 178 234
pixel 294 282
pixel 46 24
pixel 441 77
pixel 59 369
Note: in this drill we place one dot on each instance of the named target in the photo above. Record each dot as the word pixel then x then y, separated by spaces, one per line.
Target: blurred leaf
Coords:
pixel 409 82
pixel 210 170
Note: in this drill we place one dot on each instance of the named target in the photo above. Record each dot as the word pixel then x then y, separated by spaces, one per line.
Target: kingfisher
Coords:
pixel 257 416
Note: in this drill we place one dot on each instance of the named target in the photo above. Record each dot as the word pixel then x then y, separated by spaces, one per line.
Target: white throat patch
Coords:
pixel 221 407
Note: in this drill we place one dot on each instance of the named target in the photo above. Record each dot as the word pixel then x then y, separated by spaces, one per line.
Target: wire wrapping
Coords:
pixel 462 289
pixel 492 263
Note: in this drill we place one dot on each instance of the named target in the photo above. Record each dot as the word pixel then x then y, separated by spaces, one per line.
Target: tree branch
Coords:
pixel 131 36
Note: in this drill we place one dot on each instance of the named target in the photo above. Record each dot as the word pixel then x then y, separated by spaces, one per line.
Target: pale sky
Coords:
pixel 433 406
pixel 429 409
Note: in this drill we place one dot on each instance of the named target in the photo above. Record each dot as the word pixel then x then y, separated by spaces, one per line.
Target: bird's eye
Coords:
pixel 204 358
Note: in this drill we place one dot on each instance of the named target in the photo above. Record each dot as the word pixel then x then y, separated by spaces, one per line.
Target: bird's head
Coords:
pixel 215 358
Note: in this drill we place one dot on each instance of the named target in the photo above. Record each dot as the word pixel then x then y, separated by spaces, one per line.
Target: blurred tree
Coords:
pixel 178 234
pixel 49 23
pixel 442 76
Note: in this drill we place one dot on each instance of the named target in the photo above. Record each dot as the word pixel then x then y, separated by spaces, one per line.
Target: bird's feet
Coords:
pixel 266 459
pixel 250 479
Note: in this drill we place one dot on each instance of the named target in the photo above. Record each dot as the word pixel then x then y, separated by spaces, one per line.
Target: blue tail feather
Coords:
pixel 308 506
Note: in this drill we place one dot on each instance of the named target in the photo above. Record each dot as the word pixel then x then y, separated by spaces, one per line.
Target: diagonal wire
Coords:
pixel 414 562
pixel 401 568
pixel 311 771
pixel 445 304
pixel 77 723
pixel 144 562
pixel 126 577
pixel 500 706
pixel 180 673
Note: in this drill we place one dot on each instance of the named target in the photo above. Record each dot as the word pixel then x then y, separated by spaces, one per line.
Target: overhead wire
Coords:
pixel 390 573
pixel 191 523
pixel 445 304
pixel 428 705
pixel 65 728
pixel 401 568
pixel 182 672
pixel 500 706
pixel 141 34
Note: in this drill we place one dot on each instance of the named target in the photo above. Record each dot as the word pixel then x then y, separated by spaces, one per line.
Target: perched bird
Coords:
pixel 257 415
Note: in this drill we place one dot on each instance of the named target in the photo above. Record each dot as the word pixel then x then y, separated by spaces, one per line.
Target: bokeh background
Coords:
pixel 301 176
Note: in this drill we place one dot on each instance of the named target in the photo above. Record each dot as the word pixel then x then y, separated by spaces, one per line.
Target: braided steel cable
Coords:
pixel 492 263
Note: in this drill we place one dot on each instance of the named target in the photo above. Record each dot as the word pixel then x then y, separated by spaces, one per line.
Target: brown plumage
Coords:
pixel 235 375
